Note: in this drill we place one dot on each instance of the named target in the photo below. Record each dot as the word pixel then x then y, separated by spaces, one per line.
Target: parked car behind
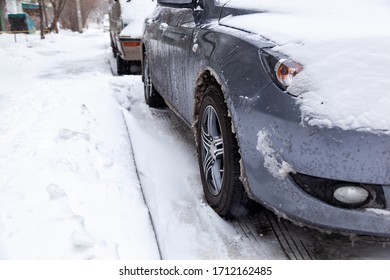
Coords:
pixel 126 20
pixel 275 129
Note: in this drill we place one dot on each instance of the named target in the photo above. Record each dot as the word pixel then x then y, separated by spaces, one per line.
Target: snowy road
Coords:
pixel 88 171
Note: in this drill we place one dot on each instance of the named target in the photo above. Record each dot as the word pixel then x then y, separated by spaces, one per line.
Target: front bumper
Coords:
pixel 331 153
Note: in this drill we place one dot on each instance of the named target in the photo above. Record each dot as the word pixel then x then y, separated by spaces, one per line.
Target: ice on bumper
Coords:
pixel 277 167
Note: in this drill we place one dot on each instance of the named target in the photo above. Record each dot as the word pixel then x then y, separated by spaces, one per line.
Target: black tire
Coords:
pixel 152 97
pixel 219 158
pixel 123 66
pixel 135 68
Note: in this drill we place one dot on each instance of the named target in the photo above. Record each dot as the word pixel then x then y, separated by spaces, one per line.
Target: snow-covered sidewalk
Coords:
pixel 68 186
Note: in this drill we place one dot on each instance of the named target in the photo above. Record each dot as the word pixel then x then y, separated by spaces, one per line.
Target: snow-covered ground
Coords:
pixel 72 136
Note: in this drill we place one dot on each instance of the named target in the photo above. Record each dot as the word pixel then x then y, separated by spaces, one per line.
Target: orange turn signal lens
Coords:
pixel 131 44
pixel 286 70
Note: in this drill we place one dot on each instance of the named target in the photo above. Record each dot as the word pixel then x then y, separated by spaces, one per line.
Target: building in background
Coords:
pixel 33 11
pixel 18 15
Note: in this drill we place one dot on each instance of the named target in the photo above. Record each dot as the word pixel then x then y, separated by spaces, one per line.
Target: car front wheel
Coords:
pixel 219 157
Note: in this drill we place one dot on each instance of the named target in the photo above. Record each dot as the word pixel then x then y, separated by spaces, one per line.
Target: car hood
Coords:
pixel 345 51
pixel 301 20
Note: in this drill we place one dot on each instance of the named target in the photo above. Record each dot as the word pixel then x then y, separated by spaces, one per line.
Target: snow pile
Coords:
pixel 344 46
pixel 134 14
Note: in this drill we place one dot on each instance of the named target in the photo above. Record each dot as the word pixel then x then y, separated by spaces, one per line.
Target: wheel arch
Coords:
pixel 205 78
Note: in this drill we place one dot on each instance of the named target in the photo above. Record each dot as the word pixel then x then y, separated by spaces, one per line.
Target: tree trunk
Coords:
pixel 58 7
pixel 45 13
pixel 42 24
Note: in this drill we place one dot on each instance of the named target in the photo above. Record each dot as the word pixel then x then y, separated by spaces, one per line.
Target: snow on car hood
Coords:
pixel 134 14
pixel 344 46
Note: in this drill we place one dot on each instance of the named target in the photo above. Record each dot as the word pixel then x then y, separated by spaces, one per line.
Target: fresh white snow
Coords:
pixel 88 171
pixel 344 46
pixel 134 14
pixel 69 187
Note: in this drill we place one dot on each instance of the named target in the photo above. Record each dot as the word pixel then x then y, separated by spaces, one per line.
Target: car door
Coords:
pixel 157 50
pixel 177 37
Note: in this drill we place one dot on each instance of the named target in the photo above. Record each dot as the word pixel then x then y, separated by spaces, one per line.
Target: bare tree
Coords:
pixel 98 13
pixel 45 13
pixel 58 7
pixel 3 17
pixel 69 15
pixel 41 22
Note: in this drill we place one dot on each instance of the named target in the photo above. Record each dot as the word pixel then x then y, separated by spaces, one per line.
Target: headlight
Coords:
pixel 285 71
pixel 281 69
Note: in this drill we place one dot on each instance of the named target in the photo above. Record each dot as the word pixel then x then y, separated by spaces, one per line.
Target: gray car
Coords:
pixel 230 86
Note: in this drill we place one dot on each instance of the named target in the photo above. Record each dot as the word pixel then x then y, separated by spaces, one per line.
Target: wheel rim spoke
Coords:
pixel 208 164
pixel 216 176
pixel 212 122
pixel 212 150
pixel 218 143
pixel 206 139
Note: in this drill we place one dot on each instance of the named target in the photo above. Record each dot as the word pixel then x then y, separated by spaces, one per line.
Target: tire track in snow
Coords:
pixel 304 243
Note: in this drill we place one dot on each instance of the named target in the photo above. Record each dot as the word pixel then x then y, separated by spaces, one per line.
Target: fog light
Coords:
pixel 351 195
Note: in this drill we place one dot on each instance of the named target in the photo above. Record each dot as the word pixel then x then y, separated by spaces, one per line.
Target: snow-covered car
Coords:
pixel 126 21
pixel 289 102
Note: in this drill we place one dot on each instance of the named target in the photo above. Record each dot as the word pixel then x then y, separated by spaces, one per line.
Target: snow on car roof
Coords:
pixel 344 46
pixel 133 15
